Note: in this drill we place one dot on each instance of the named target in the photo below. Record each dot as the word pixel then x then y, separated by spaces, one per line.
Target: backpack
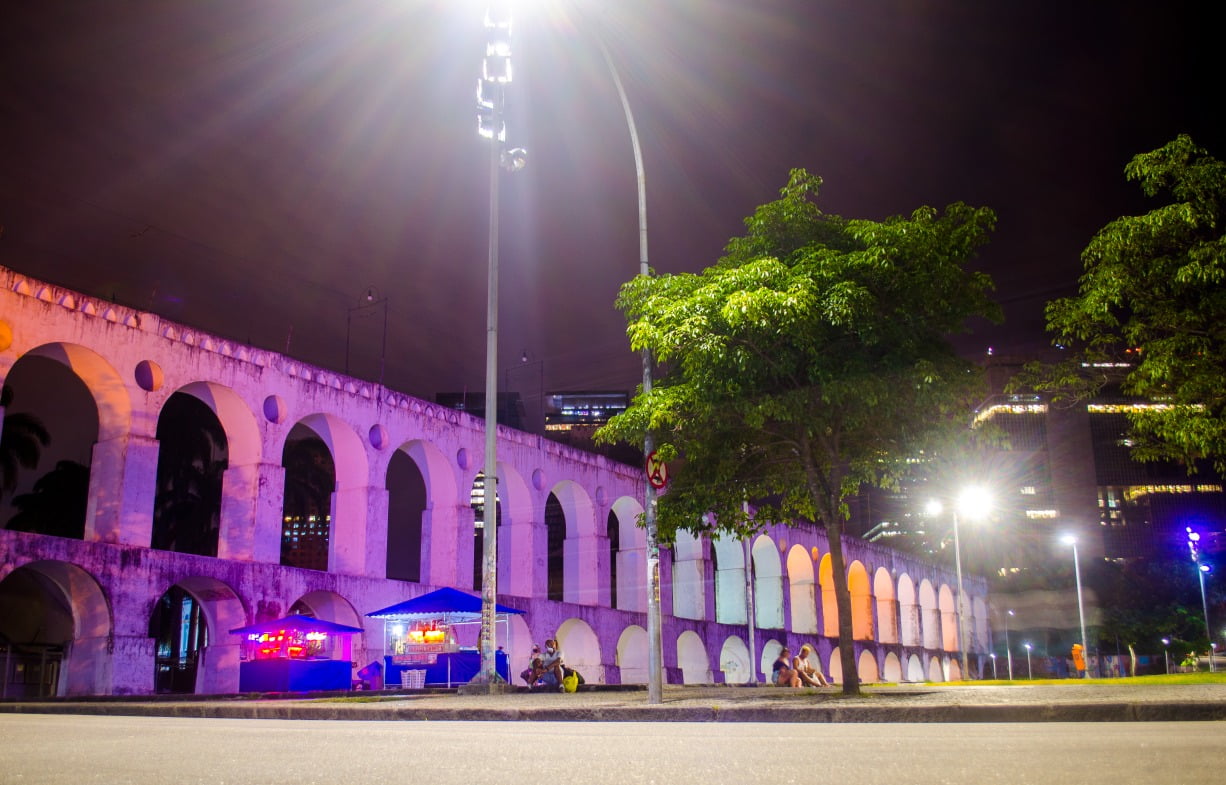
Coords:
pixel 570 682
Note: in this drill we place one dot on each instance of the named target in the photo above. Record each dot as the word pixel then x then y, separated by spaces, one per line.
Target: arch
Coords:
pixel 59 609
pixel 689 577
pixel 836 667
pixel 692 659
pixel 767 584
pixel 580 549
pixel 954 666
pixel 221 609
pixel 930 621
pixel 193 456
pixel 915 668
pixel 908 612
pixel 830 608
pixel 770 653
pixel 632 655
pixel 520 536
pixel 734 661
pixel 861 602
pixel 630 571
pixel 887 607
pixel 801 590
pixel 330 606
pixel 949 619
pixel 728 555
pixel 236 418
pixel 104 383
pixel 581 649
pixel 892 671
pixel 866 666
pixel 936 672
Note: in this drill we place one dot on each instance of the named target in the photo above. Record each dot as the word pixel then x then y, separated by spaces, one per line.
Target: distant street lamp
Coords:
pixel 1070 539
pixel 1166 654
pixel 993 656
pixel 974 502
pixel 1029 671
pixel 1201 569
pixel 1008 650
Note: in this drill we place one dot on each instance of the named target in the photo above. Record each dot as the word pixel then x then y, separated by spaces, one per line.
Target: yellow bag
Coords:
pixel 570 682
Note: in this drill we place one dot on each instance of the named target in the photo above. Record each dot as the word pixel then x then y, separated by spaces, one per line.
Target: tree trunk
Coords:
pixel 842 601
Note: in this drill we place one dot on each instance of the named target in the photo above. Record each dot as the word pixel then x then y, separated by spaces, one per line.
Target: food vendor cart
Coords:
pixel 295 654
pixel 420 635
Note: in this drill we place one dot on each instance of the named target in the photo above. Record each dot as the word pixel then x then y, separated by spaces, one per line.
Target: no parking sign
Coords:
pixel 657 471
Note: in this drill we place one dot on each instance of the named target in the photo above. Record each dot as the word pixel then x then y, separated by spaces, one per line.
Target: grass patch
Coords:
pixel 1203 677
pixel 357 699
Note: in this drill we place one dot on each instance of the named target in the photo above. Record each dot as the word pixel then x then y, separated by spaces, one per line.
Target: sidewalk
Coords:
pixel 911 703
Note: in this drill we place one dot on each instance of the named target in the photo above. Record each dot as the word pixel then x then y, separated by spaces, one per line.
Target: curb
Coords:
pixel 974 713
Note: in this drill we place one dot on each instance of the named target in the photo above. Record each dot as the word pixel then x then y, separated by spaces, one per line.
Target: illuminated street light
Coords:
pixel 1201 570
pixel 1029 670
pixel 1070 539
pixel 491 124
pixel 993 656
pixel 1008 650
pixel 1166 654
pixel 974 502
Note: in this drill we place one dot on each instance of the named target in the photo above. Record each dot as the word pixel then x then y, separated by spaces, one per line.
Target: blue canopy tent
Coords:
pixel 446 606
pixel 291 654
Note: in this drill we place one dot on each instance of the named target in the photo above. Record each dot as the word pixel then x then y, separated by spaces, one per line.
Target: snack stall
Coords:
pixel 295 654
pixel 420 639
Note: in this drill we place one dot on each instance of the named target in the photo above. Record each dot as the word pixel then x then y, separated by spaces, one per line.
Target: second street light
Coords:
pixel 1070 539
pixel 973 502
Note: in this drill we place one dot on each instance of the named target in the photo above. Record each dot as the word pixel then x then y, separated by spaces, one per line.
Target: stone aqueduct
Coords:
pixel 108 583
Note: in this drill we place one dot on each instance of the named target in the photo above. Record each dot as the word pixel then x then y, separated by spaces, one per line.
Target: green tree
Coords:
pixel 192 462
pixel 1150 313
pixel 812 358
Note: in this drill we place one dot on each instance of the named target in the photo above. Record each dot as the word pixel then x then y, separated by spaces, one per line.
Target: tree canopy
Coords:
pixel 812 358
pixel 1150 313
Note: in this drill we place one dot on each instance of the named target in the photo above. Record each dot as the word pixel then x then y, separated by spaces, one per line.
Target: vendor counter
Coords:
pixel 294 675
pixel 449 669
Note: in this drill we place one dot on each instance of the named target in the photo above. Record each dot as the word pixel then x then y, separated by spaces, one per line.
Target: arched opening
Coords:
pixel 915 668
pixel 581 649
pixel 929 617
pixel 50 426
pixel 908 611
pixel 555 528
pixel 44 606
pixel 310 481
pixel 179 632
pixel 734 661
pixel 728 563
pixel 406 505
pixel 892 672
pixel 861 602
pixel 887 608
pixel 866 666
pixel 193 456
pixel 689 571
pixel 692 659
pixel 632 655
pixel 767 584
pixel 935 672
pixel 613 532
pixel 631 553
pixel 949 619
pixel 802 591
pixel 830 608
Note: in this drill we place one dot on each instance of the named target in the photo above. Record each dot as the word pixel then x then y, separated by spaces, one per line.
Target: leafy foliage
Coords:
pixel 1153 296
pixel 22 439
pixel 57 503
pixel 812 358
pixel 191 464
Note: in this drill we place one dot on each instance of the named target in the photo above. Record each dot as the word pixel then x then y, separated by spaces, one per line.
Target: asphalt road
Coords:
pixel 74 750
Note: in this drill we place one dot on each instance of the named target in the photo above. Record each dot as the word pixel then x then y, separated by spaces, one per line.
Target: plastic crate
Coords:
pixel 413 680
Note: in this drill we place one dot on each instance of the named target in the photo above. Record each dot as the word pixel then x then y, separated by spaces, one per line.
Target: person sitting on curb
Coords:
pixel 805 671
pixel 552 670
pixel 782 672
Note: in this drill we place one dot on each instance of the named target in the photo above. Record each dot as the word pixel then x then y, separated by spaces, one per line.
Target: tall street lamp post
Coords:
pixel 491 124
pixel 1029 670
pixel 973 502
pixel 1201 569
pixel 1008 649
pixel 655 643
pixel 1166 654
pixel 1070 539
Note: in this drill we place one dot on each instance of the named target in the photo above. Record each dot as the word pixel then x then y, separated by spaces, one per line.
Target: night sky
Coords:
pixel 254 168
